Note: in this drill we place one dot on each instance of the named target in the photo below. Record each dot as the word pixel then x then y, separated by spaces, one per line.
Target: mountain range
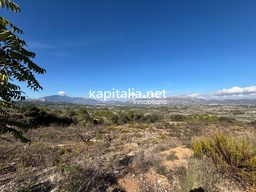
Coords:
pixel 66 99
pixel 173 100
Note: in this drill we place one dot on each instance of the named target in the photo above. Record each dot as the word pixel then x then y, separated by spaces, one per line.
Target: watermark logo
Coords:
pixel 148 97
pixel 150 102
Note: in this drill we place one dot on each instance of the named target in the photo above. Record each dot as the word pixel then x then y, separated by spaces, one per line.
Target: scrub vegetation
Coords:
pixel 129 148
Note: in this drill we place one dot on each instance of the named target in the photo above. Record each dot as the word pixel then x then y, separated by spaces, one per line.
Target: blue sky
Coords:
pixel 193 47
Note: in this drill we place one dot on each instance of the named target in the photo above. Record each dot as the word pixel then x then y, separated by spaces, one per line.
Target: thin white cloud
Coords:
pixel 93 38
pixel 39 45
pixel 237 91
pixel 62 93
pixel 231 93
pixel 195 95
pixel 60 54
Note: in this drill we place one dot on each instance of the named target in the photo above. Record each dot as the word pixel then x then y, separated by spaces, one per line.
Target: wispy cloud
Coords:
pixel 231 93
pixel 55 49
pixel 95 38
pixel 196 95
pixel 60 54
pixel 39 45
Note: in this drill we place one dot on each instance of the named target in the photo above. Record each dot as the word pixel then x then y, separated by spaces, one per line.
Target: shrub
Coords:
pixel 200 173
pixel 144 160
pixel 35 117
pixel 172 156
pixel 253 123
pixel 232 156
pixel 204 118
pixel 178 117
pixel 162 170
pixel 88 179
pixel 227 119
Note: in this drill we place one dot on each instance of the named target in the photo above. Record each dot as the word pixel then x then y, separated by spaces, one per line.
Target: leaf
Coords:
pixel 15 65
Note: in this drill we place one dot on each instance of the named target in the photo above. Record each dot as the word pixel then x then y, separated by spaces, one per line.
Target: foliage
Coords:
pixel 178 117
pixel 123 117
pixel 15 64
pixel 232 156
pixel 35 117
pixel 203 117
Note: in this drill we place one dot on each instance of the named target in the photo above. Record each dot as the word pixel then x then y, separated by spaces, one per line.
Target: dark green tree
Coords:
pixel 15 64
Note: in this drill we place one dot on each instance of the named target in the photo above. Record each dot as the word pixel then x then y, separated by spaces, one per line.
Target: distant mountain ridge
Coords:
pixel 233 102
pixel 172 100
pixel 184 100
pixel 67 99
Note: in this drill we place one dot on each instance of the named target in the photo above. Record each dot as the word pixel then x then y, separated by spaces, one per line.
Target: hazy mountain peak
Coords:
pixel 67 99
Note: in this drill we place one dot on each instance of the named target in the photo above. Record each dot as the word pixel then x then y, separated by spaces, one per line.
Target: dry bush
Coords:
pixel 40 154
pixel 144 160
pixel 44 186
pixel 199 174
pixel 232 156
pixel 89 178
pixel 171 156
pixel 91 174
